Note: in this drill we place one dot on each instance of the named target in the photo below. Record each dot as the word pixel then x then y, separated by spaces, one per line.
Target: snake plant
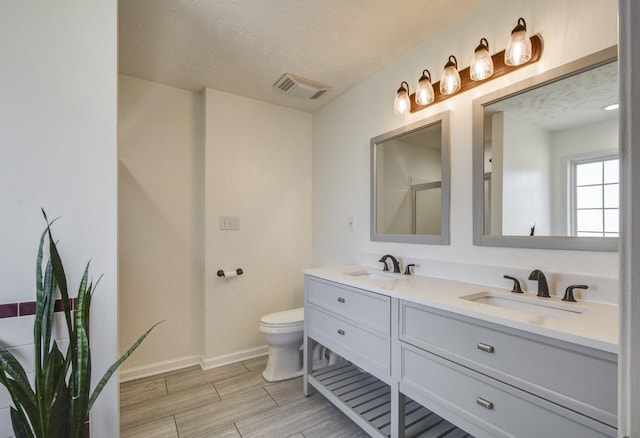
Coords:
pixel 59 402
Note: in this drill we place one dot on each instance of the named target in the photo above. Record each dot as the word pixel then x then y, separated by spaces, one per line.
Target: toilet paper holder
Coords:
pixel 222 273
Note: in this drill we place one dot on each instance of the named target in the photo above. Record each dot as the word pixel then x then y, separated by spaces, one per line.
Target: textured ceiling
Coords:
pixel 574 101
pixel 244 46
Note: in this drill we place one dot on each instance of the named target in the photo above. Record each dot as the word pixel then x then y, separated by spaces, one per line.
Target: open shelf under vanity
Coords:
pixel 367 401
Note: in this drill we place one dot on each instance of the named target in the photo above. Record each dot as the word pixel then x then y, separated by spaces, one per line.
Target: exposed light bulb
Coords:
pixel 402 104
pixel 518 49
pixel 450 80
pixel 424 92
pixel 481 64
pixel 612 107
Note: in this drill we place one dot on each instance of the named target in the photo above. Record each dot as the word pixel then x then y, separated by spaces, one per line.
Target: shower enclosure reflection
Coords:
pixel 410 186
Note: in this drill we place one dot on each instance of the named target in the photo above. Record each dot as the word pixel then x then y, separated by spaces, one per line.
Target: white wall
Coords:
pixel 343 128
pixel 185 160
pixel 257 167
pixel 161 229
pixel 58 79
pixel 526 176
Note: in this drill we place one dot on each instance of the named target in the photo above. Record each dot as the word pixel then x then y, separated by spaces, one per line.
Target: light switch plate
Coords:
pixel 229 222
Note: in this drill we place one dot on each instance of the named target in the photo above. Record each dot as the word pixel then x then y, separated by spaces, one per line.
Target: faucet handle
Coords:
pixel 516 284
pixel 407 269
pixel 568 294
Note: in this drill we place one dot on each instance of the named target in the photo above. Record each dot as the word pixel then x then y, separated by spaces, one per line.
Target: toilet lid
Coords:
pixel 285 318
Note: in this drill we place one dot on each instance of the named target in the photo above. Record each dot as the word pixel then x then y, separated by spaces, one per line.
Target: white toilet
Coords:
pixel 283 332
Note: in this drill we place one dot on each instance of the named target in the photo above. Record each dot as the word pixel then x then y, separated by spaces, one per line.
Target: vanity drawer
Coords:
pixel 579 378
pixel 484 406
pixel 362 307
pixel 365 348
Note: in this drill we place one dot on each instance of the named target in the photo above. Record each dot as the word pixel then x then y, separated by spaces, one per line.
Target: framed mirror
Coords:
pixel 545 159
pixel 410 183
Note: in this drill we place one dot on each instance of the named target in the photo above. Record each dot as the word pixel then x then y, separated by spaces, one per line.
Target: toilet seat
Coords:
pixel 286 318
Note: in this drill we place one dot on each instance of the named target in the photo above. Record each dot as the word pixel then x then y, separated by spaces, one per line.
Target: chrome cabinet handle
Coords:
pixel 340 300
pixel 485 347
pixel 341 332
pixel 484 403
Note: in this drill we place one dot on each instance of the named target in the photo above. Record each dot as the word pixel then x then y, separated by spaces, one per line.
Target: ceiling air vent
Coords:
pixel 300 87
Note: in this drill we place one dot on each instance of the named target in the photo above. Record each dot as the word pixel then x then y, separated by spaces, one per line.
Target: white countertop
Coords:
pixel 596 327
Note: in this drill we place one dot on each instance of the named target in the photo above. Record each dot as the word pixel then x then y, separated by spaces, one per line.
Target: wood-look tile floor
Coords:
pixel 231 401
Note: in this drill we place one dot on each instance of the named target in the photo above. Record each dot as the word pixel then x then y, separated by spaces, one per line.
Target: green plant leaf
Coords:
pixel 44 320
pixel 86 303
pixel 19 427
pixel 25 410
pixel 37 325
pixel 116 364
pixel 58 424
pixel 12 368
pixel 53 373
pixel 82 376
pixel 14 378
pixel 61 278
pixel 39 265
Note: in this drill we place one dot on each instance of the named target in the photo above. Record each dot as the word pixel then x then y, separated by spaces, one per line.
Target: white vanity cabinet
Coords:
pixel 352 322
pixel 495 381
pixel 418 370
pixel 360 326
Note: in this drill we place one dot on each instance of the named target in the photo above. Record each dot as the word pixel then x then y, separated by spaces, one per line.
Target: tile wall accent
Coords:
pixel 27 308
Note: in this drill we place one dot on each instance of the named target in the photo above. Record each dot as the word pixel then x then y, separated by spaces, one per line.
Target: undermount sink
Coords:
pixel 377 275
pixel 533 305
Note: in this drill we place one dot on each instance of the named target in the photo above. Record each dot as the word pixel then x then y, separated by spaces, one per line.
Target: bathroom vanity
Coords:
pixel 426 354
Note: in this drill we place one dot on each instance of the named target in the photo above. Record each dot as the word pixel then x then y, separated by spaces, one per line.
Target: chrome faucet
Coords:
pixel 396 265
pixel 543 287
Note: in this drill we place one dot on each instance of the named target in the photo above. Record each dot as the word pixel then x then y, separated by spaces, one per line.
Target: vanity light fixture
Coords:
pixel 613 106
pixel 424 92
pixel 402 104
pixel 520 52
pixel 481 64
pixel 450 81
pixel 518 49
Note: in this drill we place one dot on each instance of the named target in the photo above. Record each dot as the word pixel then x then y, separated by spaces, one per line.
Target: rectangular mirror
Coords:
pixel 410 183
pixel 546 159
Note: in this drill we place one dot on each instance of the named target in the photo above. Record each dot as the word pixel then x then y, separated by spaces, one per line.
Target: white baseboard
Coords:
pixel 226 359
pixel 176 364
pixel 158 368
